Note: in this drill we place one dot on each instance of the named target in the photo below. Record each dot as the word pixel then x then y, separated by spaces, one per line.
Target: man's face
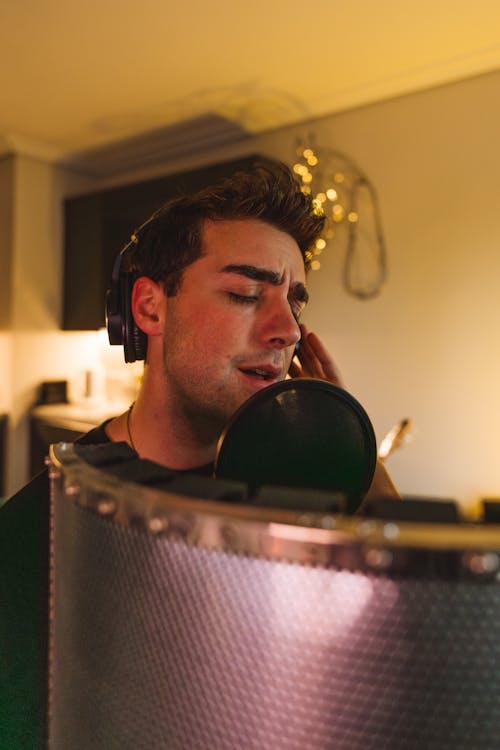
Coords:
pixel 232 327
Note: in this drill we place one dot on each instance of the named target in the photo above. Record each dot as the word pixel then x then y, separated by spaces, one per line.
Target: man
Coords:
pixel 220 284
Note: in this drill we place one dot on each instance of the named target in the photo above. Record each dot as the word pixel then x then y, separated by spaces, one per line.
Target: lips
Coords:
pixel 264 373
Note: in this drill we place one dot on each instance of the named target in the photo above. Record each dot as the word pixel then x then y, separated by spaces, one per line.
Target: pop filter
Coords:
pixel 302 433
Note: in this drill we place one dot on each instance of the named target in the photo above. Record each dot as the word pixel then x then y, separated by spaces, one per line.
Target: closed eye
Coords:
pixel 243 299
pixel 251 299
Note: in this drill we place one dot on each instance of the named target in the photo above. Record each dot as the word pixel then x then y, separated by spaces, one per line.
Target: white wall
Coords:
pixel 5 280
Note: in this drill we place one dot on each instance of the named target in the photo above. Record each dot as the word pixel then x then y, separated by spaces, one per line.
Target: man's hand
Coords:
pixel 314 361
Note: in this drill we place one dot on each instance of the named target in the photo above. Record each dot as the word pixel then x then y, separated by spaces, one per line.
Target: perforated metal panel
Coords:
pixel 160 643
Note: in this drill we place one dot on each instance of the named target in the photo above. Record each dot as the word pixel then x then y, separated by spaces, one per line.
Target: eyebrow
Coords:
pixel 270 277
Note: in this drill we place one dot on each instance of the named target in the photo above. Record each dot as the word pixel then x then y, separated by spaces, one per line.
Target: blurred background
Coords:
pixel 98 97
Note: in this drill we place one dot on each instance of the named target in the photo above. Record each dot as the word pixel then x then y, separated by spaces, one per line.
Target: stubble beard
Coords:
pixel 200 413
pixel 206 418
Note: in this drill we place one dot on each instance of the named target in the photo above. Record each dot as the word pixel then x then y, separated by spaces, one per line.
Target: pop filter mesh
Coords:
pixel 157 643
pixel 302 432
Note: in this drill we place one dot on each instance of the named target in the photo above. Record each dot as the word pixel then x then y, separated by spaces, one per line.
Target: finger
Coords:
pixel 309 363
pixel 311 353
pixel 325 360
pixel 316 359
pixel 295 371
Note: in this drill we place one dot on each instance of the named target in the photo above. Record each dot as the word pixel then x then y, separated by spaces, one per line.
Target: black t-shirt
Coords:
pixel 98 436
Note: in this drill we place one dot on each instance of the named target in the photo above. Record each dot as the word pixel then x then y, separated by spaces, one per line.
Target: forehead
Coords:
pixel 252 242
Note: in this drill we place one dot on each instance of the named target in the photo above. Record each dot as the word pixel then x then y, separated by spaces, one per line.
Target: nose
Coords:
pixel 279 327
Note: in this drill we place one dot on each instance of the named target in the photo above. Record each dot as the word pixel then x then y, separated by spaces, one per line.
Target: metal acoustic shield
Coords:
pixel 189 624
pixel 302 433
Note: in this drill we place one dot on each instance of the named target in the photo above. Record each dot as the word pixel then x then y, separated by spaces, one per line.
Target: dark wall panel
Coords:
pixel 98 225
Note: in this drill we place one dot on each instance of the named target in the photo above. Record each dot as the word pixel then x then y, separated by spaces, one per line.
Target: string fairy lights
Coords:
pixel 345 196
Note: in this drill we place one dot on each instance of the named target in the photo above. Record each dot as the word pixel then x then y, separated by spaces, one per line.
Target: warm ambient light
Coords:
pixel 338 213
pixel 337 602
pixel 354 204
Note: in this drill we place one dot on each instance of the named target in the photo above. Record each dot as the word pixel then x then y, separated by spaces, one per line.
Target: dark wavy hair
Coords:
pixel 172 238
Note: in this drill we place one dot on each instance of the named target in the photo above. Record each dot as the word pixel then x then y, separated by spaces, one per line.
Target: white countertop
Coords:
pixel 83 415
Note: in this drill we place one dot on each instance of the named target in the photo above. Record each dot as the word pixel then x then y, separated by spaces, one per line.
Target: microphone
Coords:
pixel 303 433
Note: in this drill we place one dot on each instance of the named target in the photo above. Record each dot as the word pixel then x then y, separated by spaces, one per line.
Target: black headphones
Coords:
pixel 122 328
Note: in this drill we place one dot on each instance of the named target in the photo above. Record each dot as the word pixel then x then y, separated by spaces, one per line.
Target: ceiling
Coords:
pixel 75 76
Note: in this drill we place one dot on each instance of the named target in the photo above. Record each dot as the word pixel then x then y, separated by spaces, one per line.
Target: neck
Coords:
pixel 157 430
pixel 161 436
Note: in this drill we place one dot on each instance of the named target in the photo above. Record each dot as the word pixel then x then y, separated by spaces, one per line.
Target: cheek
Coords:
pixel 214 334
pixel 205 336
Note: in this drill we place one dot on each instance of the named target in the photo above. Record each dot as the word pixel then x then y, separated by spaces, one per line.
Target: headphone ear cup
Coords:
pixel 140 342
pixel 135 341
pixel 122 328
pixel 113 315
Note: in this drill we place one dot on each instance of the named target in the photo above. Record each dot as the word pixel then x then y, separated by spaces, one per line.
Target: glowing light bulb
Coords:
pixel 307 178
pixel 320 243
pixel 338 212
pixel 352 216
pixel 321 197
pixel 300 168
pixel 312 160
pixel 305 189
pixel 331 194
pixel 315 265
pixel 307 153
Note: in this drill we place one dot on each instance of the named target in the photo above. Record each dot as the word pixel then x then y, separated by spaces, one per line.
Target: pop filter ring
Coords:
pixel 348 417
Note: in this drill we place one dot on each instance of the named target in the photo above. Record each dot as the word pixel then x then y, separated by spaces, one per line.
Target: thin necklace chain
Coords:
pixel 128 426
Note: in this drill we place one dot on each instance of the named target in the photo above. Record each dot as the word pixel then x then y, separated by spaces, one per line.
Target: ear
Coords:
pixel 148 305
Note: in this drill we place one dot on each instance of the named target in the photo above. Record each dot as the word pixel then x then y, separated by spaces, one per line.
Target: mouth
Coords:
pixel 262 374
